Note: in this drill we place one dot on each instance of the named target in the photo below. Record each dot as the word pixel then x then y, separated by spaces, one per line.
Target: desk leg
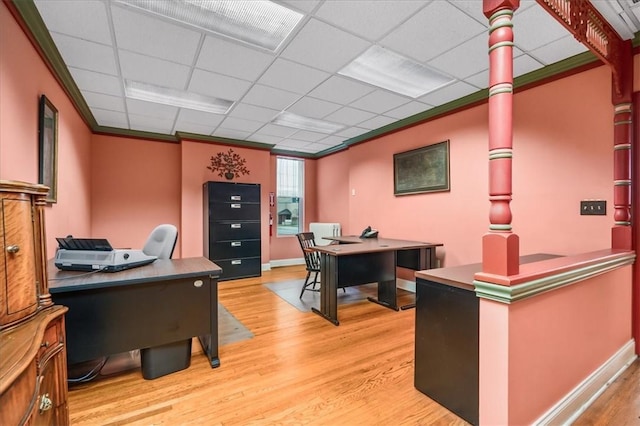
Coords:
pixel 328 289
pixel 209 342
pixel 386 295
pixel 427 261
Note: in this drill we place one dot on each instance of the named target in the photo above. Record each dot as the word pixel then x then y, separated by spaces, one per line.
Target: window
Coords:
pixel 290 196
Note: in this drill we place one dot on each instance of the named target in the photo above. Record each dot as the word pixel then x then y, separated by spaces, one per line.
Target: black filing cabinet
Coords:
pixel 232 228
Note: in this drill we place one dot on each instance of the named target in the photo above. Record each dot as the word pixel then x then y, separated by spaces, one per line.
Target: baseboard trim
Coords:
pixel 579 399
pixel 285 262
pixel 406 285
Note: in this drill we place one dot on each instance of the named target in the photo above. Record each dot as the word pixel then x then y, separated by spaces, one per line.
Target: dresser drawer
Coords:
pixel 239 268
pixel 234 230
pixel 234 249
pixel 52 340
pixel 235 211
pixel 233 193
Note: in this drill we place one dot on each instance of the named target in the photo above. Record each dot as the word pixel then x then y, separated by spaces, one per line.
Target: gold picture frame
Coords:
pixel 420 170
pixel 48 147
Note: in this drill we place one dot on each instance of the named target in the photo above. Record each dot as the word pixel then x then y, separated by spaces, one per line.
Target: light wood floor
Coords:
pixel 299 369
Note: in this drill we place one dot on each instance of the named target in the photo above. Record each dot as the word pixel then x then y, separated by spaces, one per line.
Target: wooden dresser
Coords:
pixel 33 370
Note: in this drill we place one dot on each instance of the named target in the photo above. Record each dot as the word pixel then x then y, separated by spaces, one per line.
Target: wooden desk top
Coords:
pixel 462 276
pixel 356 245
pixel 159 270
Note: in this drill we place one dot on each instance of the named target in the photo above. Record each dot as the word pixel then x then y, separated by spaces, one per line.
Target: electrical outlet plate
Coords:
pixel 593 207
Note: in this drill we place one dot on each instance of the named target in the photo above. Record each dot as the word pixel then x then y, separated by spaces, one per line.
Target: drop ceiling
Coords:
pixel 104 43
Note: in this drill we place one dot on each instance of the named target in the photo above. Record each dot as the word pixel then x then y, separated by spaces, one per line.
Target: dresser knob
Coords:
pixel 44 344
pixel 45 403
pixel 13 249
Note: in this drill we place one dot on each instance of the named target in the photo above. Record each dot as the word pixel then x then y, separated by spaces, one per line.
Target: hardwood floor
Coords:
pixel 298 369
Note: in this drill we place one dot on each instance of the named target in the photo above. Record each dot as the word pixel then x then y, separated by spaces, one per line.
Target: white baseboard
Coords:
pixel 567 410
pixel 284 262
pixel 406 285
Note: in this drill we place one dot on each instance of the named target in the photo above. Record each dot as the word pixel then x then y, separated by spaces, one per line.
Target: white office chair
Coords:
pixel 161 241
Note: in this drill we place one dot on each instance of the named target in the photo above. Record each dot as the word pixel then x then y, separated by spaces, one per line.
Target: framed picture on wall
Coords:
pixel 48 147
pixel 424 169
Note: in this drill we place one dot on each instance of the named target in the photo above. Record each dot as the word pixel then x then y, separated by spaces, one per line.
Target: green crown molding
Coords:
pixel 225 141
pixel 33 22
pixel 508 295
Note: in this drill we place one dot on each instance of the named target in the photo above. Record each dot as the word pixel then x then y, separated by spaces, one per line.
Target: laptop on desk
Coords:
pixel 96 254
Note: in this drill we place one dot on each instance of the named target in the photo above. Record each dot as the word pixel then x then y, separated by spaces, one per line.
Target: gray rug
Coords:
pixel 230 330
pixel 289 291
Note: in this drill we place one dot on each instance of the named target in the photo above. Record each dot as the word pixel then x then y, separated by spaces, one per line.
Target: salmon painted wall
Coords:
pixel 23 78
pixel 552 343
pixel 195 157
pixel 563 139
pixel 135 187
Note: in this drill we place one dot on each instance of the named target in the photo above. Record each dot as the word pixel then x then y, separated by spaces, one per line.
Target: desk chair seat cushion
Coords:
pixel 161 241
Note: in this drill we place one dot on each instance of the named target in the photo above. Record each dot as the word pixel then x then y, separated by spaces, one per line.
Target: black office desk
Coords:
pixel 357 261
pixel 164 302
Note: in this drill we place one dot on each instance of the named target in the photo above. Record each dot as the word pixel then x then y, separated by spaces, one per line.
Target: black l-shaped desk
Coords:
pixel 145 307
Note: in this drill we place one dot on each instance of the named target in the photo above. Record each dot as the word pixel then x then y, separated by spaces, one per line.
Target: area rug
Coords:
pixel 289 291
pixel 230 330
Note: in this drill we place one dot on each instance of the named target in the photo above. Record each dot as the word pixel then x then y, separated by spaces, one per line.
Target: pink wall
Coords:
pixel 23 78
pixel 195 157
pixel 534 352
pixel 563 139
pixel 134 188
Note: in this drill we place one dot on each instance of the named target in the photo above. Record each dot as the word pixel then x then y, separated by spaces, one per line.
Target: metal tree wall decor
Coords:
pixel 228 164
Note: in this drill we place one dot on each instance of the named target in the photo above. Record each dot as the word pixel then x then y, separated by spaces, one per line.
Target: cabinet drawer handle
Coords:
pixel 236 225
pixel 13 248
pixel 236 262
pixel 236 198
pixel 236 206
pixel 236 243
pixel 45 403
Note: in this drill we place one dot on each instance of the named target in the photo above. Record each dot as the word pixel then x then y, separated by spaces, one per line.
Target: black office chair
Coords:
pixel 311 259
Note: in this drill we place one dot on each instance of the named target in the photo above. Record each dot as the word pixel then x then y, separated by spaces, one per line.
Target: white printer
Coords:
pixel 96 254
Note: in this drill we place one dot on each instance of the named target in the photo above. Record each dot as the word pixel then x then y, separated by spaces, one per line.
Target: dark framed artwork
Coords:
pixel 48 148
pixel 424 169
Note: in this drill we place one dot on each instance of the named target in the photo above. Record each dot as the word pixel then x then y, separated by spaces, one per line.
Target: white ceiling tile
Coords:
pixel 292 77
pixel 331 140
pixel 349 116
pixel 526 28
pixel 314 108
pixel 464 60
pixel 231 134
pixel 102 101
pixel 152 70
pixel 524 64
pixel 480 80
pixel 110 118
pixel 151 109
pixel 86 54
pixel 472 8
pixel 190 119
pixel 269 139
pixel 147 123
pixel 142 33
pixel 276 130
pixel 558 50
pixel 371 22
pixel 407 110
pixel 376 122
pixel 322 46
pixel 340 90
pixel 292 143
pixel 229 58
pixel 96 82
pixel 379 101
pixel 351 132
pixel 233 123
pixel 447 94
pixel 198 129
pixel 269 97
pixel 86 20
pixel 305 135
pixel 218 85
pixel 303 6
pixel 251 112
pixel 427 34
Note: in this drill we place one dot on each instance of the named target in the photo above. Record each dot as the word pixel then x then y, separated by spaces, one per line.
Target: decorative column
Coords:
pixel 591 29
pixel 500 247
